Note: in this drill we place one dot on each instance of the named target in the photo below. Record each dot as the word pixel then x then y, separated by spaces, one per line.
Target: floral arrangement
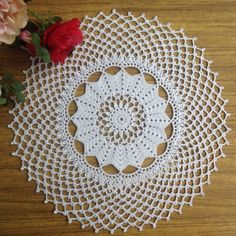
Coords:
pixel 46 37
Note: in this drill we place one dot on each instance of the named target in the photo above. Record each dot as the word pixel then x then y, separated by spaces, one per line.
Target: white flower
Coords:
pixel 13 17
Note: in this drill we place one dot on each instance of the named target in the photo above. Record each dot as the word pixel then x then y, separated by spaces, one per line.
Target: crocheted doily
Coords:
pixel 128 130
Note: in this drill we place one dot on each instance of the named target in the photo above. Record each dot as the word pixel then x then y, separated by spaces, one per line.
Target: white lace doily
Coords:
pixel 146 128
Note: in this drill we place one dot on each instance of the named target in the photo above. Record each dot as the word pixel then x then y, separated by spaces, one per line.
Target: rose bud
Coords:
pixel 26 36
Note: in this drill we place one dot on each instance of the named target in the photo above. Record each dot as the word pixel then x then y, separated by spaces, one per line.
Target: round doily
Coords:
pixel 128 130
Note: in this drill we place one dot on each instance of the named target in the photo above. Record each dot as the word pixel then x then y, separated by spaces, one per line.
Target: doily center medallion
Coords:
pixel 121 120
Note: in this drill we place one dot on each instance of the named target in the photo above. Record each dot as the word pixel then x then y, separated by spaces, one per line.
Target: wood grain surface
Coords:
pixel 213 22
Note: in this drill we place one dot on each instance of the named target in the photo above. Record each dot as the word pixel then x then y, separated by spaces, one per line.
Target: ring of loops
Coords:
pixel 121 119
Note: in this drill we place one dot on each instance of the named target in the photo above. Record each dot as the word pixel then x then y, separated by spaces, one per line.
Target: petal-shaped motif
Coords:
pixel 121 118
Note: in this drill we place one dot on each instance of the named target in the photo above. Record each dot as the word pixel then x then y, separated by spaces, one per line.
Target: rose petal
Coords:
pixel 49 30
pixel 7 38
pixel 16 6
pixel 4 6
pixel 3 27
pixel 12 27
pixel 61 38
pixel 58 56
pixel 21 19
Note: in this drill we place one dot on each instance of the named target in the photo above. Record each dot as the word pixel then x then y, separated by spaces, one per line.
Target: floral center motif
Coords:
pixel 121 119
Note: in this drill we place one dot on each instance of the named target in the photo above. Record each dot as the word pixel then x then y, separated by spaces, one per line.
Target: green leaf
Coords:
pixel 40 51
pixel 36 40
pixel 3 100
pixel 51 20
pixel 55 19
pixel 20 97
pixel 11 87
pixel 44 54
pixel 6 86
pixel 17 86
pixel 7 77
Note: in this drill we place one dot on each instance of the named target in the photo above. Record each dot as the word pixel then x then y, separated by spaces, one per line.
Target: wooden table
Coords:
pixel 22 211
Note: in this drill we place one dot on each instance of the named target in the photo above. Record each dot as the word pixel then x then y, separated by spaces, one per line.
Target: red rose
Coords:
pixel 61 38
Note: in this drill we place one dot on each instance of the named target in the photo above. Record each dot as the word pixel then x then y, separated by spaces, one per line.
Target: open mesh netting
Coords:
pixel 152 122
